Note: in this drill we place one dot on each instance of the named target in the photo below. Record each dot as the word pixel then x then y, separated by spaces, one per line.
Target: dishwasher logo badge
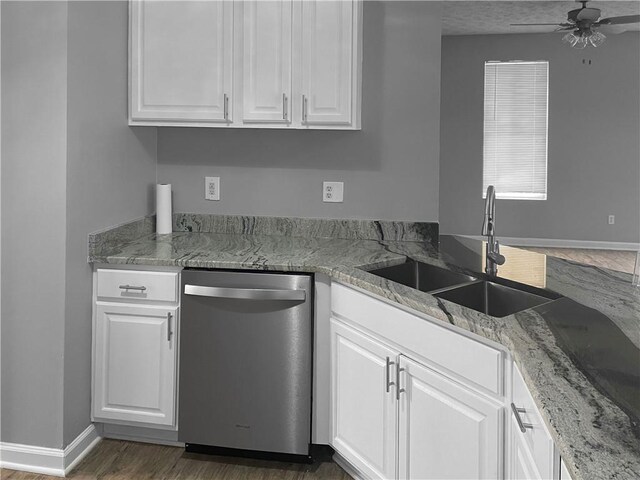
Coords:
pixel 246 427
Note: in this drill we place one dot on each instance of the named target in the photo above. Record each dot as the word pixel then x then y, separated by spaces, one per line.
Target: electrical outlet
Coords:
pixel 612 219
pixel 332 192
pixel 212 188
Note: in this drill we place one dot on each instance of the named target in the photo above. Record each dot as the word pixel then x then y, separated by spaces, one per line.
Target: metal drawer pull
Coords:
pixel 132 287
pixel 517 411
pixel 245 293
pixel 284 106
pixel 398 389
pixel 226 107
pixel 169 329
pixel 304 108
pixel 389 363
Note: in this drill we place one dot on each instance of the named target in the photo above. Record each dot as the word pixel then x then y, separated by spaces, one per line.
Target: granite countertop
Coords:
pixel 579 355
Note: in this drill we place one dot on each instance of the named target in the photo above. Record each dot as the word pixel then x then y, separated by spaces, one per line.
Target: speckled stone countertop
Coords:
pixel 587 387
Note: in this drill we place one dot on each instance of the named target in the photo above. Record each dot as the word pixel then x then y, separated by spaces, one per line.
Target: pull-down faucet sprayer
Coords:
pixel 493 257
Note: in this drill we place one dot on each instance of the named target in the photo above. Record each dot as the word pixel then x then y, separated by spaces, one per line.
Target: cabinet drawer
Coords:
pixel 478 363
pixel 536 437
pixel 143 285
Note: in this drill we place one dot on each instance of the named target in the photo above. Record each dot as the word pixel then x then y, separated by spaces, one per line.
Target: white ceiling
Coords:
pixel 486 17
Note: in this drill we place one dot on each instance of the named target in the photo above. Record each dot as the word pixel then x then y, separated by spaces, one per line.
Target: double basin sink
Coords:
pixel 484 296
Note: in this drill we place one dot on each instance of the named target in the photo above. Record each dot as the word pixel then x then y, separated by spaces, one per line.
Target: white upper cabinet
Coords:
pixel 267 61
pixel 246 63
pixel 328 58
pixel 181 61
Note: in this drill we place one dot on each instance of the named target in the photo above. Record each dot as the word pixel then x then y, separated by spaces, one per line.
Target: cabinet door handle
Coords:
pixel 398 389
pixel 389 363
pixel 285 107
pixel 169 332
pixel 226 107
pixel 521 425
pixel 132 287
pixel 304 108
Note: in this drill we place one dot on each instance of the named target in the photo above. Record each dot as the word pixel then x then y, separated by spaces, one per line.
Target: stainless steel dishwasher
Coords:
pixel 246 364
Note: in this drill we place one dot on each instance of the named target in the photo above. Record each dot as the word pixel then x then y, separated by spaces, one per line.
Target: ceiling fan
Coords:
pixel 585 26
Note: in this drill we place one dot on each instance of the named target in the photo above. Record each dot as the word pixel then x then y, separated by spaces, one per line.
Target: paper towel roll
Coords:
pixel 163 208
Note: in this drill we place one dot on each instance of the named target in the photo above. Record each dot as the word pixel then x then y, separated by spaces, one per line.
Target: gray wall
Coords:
pixel 34 109
pixel 64 90
pixel 111 172
pixel 594 146
pixel 390 168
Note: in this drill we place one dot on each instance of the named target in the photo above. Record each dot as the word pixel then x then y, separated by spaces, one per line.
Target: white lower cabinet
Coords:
pixel 135 347
pixel 522 465
pixel 135 363
pixel 533 453
pixel 431 428
pixel 364 405
pixel 446 431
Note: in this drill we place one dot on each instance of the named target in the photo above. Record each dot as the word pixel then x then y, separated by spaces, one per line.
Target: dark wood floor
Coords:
pixel 118 460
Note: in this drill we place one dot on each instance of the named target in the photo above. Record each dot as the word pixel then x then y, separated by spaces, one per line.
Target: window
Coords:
pixel 515 129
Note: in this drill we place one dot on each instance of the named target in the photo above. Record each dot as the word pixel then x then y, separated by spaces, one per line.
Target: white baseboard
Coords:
pixel 561 243
pixel 80 447
pixel 347 467
pixel 48 461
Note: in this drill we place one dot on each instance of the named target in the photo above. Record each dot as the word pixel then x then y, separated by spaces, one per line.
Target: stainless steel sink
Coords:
pixel 492 298
pixel 422 276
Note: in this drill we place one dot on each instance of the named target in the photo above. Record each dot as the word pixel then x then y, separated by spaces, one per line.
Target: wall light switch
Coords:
pixel 611 219
pixel 212 188
pixel 332 192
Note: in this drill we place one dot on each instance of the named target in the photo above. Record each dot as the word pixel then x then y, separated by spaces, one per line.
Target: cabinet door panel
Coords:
pixel 364 416
pixel 135 364
pixel 523 466
pixel 327 61
pixel 267 60
pixel 446 431
pixel 181 60
pixel 536 440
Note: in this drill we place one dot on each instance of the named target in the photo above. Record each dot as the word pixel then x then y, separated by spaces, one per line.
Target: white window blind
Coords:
pixel 515 129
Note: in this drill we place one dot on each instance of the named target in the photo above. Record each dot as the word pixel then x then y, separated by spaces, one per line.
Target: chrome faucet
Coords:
pixel 493 257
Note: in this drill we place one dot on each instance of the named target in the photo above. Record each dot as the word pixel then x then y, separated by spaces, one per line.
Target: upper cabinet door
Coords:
pixel 267 43
pixel 446 430
pixel 181 61
pixel 329 59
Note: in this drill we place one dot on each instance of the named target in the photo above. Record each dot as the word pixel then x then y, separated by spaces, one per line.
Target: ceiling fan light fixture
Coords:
pixel 583 38
pixel 596 38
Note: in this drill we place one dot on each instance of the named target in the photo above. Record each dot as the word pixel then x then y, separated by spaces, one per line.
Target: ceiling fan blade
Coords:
pixel 533 24
pixel 619 20
pixel 612 29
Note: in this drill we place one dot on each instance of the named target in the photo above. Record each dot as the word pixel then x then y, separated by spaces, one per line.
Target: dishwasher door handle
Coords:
pixel 245 293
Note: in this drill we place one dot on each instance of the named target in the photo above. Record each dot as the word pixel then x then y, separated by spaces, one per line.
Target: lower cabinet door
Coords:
pixel 364 402
pixel 533 453
pixel 135 364
pixel 446 431
pixel 523 466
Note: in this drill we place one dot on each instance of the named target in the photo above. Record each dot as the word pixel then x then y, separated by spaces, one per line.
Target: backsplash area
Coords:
pixel 274 226
pixel 307 227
